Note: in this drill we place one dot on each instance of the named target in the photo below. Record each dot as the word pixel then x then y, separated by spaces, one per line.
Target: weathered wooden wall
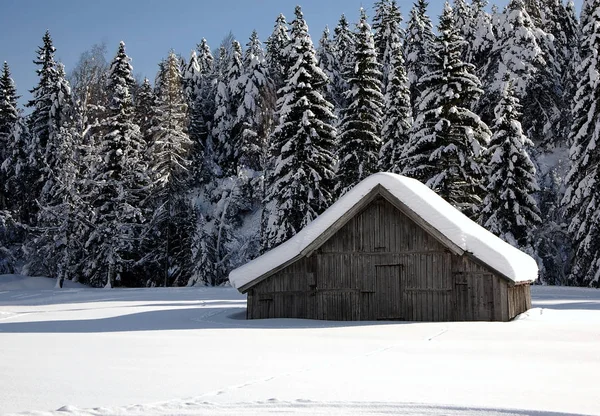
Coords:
pixel 382 265
pixel 519 299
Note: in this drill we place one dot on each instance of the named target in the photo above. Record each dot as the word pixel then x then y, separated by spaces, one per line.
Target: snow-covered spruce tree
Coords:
pixel 17 172
pixel 560 22
pixel 417 48
pixel 253 119
pixel 388 38
pixel 40 120
pixel 228 99
pixel 204 111
pixel 569 39
pixel 9 115
pixel 276 58
pixel 12 188
pixel 582 193
pixel 380 12
pixel 343 46
pixel 326 57
pixel 360 129
pixel 145 104
pixel 509 210
pixel 119 184
pixel 518 51
pixel 397 113
pixel 191 89
pixel 300 185
pixel 168 242
pixel 475 25
pixel 50 247
pixel 447 139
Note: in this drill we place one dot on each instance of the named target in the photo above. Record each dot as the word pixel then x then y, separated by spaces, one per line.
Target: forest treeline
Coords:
pixel 109 180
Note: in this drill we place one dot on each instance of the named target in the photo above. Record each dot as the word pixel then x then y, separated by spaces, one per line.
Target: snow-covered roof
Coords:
pixel 433 209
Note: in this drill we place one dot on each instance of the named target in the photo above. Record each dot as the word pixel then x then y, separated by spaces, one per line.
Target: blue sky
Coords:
pixel 151 28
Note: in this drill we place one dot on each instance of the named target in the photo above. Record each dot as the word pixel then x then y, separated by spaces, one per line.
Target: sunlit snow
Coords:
pixel 189 351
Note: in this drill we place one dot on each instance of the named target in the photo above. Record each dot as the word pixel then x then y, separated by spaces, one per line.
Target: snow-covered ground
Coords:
pixel 189 351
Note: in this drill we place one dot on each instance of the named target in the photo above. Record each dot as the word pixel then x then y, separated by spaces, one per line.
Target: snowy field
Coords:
pixel 81 351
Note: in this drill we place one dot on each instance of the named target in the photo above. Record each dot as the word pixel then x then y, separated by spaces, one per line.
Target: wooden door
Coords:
pixel 388 291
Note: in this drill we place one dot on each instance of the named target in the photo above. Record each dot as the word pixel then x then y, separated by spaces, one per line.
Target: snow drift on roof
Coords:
pixel 458 228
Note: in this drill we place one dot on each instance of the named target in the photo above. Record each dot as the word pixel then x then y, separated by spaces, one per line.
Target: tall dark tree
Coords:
pixel 417 48
pixel 9 116
pixel 388 36
pixel 276 58
pixel 228 99
pixel 475 25
pixel 41 103
pixel 300 184
pixel 343 47
pixel 171 225
pixel 327 58
pixel 203 113
pixel 253 120
pixel 582 194
pixel 397 113
pixel 447 139
pixel 119 182
pixel 145 105
pixel 41 120
pixel 510 209
pixel 360 129
pixel 53 247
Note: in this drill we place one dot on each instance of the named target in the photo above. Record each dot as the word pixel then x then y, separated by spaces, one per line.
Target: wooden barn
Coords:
pixel 390 249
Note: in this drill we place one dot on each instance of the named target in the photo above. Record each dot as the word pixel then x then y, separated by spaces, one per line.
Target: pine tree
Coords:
pixel 475 25
pixel 204 111
pixel 447 139
pixel 13 169
pixel 276 58
pixel 343 46
pixel 253 121
pixel 299 186
pixel 581 196
pixel 119 182
pixel 360 129
pixel 41 103
pixel 388 35
pixel 17 172
pixel 41 121
pixel 417 48
pixel 381 9
pixel 145 104
pixel 54 249
pixel 9 116
pixel 171 225
pixel 520 51
pixel 510 210
pixel 397 113
pixel 229 98
pixel 326 57
pixel 191 89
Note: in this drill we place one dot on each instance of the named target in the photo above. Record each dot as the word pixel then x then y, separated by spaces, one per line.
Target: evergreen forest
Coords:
pixel 112 181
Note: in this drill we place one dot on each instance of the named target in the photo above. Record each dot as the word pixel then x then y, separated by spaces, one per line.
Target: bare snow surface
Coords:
pixel 458 228
pixel 189 351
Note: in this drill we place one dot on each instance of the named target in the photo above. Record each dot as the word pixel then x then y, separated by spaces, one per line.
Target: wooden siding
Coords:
pixel 519 300
pixel 382 265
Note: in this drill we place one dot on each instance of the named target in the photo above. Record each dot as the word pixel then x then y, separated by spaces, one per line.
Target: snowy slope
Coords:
pixel 442 216
pixel 189 351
